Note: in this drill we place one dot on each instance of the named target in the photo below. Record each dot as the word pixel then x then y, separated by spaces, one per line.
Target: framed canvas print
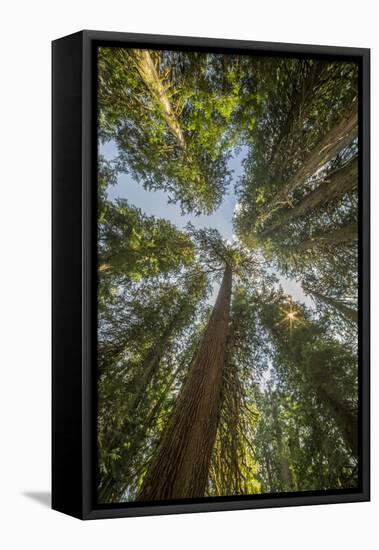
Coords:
pixel 210 275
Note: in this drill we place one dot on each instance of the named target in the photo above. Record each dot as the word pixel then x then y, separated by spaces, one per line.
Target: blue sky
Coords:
pixel 155 203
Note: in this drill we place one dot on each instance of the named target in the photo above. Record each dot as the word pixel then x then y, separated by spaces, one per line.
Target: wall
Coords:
pixel 27 29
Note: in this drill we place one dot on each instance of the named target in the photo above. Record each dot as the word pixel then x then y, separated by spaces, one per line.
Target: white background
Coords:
pixel 26 31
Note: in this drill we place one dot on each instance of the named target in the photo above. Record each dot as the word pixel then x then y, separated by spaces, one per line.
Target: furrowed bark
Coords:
pixel 180 466
pixel 140 383
pixel 332 143
pixel 336 185
pixel 111 490
pixel 345 234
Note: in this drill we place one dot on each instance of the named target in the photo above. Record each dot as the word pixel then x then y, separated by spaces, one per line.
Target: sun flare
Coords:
pixel 291 317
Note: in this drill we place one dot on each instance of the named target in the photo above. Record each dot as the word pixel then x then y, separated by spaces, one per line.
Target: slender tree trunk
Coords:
pixel 345 418
pixel 142 381
pixel 268 472
pixel 111 490
pixel 332 143
pixel 180 466
pixel 283 459
pixel 348 312
pixel 345 234
pixel 336 185
pixel 148 73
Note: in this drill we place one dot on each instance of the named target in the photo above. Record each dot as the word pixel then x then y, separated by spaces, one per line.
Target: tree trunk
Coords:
pixel 142 381
pixel 300 104
pixel 336 185
pixel 148 73
pixel 332 143
pixel 180 466
pixel 348 312
pixel 283 459
pixel 267 460
pixel 139 385
pixel 345 418
pixel 110 489
pixel 345 234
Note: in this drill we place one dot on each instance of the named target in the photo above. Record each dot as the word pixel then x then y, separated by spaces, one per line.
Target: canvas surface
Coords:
pixel 227 275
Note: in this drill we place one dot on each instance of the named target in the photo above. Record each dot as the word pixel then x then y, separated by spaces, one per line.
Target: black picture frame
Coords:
pixel 74 275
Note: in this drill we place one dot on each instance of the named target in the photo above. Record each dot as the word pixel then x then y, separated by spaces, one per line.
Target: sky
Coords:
pixel 155 203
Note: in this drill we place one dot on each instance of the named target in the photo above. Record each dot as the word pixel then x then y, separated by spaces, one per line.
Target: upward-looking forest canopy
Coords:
pixel 227 353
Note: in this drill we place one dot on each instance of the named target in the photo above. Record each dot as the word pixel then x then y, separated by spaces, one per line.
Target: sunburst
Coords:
pixel 291 316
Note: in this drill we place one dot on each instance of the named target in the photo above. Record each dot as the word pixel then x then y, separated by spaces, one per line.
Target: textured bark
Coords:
pixel 338 137
pixel 345 234
pixel 148 73
pixel 180 466
pixel 109 488
pixel 336 185
pixel 349 313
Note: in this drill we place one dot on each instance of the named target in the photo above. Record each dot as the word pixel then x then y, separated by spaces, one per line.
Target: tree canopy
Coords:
pixel 213 381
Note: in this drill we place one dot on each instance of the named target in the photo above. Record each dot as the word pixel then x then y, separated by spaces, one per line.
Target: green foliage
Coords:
pixel 288 410
pixel 314 391
pixel 310 233
pixel 235 468
pixel 133 246
pixel 304 100
pixel 191 162
pixel 145 342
